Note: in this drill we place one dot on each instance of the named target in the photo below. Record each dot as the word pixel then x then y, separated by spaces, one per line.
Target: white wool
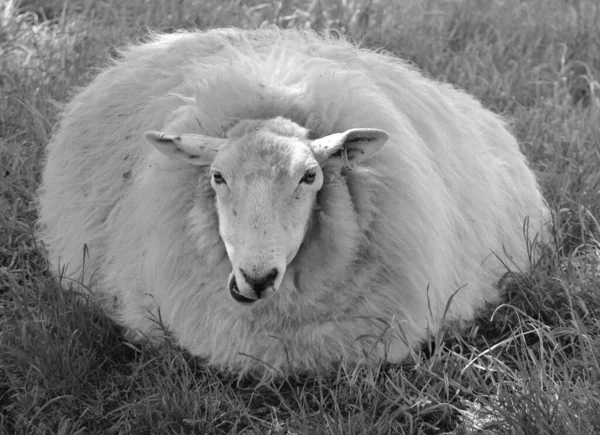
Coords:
pixel 438 209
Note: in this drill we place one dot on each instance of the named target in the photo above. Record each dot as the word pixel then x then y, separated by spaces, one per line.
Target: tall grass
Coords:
pixel 530 366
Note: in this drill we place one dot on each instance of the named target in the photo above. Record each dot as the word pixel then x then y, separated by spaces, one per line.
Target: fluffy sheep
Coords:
pixel 281 201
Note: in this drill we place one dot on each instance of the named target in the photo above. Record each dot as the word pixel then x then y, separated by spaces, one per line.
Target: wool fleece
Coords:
pixel 280 201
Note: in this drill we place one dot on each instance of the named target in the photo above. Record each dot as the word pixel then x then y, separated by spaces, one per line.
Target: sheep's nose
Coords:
pixel 259 283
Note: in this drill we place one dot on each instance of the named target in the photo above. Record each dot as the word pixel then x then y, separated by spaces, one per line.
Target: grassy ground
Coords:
pixel 530 366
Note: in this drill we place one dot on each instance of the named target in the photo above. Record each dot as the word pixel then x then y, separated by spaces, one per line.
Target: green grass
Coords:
pixel 530 366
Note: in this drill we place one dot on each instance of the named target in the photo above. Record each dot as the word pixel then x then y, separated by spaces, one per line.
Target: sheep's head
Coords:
pixel 266 176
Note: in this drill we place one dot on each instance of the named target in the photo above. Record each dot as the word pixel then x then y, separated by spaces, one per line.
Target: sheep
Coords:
pixel 278 201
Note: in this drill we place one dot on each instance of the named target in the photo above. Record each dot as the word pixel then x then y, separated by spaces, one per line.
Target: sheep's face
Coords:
pixel 266 176
pixel 266 185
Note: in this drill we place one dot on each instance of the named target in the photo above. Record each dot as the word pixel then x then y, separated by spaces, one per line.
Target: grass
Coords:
pixel 530 366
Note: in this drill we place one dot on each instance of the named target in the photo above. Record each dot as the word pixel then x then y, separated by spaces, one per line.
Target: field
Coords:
pixel 529 366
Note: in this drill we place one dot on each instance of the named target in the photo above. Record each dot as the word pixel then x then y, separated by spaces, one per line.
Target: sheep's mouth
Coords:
pixel 236 295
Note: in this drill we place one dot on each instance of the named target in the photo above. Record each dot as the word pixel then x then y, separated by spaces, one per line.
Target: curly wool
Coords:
pixel 438 211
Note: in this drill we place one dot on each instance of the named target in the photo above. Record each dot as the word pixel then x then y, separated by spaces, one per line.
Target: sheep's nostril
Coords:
pixel 273 275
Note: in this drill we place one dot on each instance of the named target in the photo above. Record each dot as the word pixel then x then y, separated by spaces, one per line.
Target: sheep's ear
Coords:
pixel 196 149
pixel 352 146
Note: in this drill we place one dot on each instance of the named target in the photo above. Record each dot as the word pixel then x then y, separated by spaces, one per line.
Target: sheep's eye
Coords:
pixel 218 178
pixel 309 177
